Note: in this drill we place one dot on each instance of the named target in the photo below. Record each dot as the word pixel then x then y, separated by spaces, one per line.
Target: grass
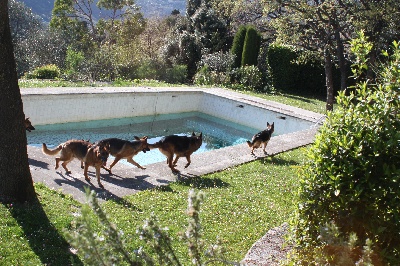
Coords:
pixel 36 83
pixel 241 205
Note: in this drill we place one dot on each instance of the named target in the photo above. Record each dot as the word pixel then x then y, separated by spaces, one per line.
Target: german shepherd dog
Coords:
pixel 91 154
pixel 261 138
pixel 125 149
pixel 181 146
pixel 28 125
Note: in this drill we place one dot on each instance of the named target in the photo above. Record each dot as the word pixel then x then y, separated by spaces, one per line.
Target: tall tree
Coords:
pixel 318 26
pixel 15 177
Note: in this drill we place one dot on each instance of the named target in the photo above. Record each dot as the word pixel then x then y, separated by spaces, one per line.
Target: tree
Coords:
pixel 251 47
pixel 318 26
pixel 237 46
pixel 15 178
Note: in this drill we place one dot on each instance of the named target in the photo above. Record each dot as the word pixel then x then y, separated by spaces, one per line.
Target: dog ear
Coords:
pixel 201 134
pixel 193 135
pixel 136 137
pixel 145 137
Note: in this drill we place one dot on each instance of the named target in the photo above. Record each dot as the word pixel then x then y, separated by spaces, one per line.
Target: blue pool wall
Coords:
pixel 63 105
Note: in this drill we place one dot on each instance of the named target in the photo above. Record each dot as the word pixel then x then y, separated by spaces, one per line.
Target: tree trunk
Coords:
pixel 328 80
pixel 15 178
pixel 342 61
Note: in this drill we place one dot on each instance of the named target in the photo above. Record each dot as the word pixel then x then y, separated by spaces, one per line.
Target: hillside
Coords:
pixel 149 8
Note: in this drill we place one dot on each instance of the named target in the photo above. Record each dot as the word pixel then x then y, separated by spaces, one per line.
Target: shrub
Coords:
pixel 249 78
pixel 176 74
pixel 353 173
pixel 73 64
pixel 44 72
pixel 251 47
pixel 284 71
pixel 108 248
pixel 237 46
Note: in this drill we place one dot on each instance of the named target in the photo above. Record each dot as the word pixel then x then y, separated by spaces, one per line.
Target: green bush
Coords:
pixel 44 72
pixel 353 173
pixel 251 47
pixel 237 46
pixel 176 74
pixel 284 70
pixel 297 72
pixel 248 78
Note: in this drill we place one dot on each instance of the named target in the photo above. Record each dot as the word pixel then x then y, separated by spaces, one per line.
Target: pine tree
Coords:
pixel 251 47
pixel 237 46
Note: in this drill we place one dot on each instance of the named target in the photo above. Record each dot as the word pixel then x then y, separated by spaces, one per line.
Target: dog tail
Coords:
pixel 154 146
pixel 45 150
pixel 249 143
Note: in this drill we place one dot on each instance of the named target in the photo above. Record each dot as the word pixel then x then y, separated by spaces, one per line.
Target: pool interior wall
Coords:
pixel 63 105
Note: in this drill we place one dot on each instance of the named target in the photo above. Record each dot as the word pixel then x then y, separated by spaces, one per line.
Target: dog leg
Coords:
pixel 265 145
pixel 130 160
pixel 64 165
pixel 170 163
pixel 176 160
pixel 116 160
pixel 188 161
pixel 98 176
pixel 85 170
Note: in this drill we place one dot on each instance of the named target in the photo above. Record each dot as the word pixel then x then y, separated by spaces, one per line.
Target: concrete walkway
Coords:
pixel 127 179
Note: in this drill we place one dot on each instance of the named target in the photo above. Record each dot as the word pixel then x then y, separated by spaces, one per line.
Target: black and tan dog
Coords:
pixel 90 154
pixel 261 138
pixel 125 149
pixel 181 146
pixel 28 125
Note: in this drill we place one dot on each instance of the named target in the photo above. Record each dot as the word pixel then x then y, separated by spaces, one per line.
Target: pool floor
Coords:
pixel 217 133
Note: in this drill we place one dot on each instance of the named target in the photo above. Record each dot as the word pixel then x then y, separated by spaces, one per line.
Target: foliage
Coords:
pixel 281 60
pixel 109 249
pixel 248 78
pixel 74 62
pixel 295 71
pixel 44 72
pixel 251 47
pixel 175 75
pixel 237 45
pixel 352 176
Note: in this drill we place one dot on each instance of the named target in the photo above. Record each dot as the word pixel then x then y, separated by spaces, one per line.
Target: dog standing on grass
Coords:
pixel 90 154
pixel 181 146
pixel 261 138
pixel 125 149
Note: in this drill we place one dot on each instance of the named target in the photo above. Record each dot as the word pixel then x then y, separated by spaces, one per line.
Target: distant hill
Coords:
pixel 149 8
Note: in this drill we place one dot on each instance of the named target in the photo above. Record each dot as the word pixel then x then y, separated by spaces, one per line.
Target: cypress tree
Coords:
pixel 251 47
pixel 237 46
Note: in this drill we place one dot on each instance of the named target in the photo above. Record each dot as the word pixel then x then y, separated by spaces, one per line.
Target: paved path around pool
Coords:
pixel 127 180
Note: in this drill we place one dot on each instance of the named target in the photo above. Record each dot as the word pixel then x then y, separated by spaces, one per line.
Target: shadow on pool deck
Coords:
pixel 127 179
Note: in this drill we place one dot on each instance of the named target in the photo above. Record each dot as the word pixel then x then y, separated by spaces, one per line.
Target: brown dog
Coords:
pixel 124 149
pixel 181 146
pixel 91 154
pixel 261 138
pixel 28 125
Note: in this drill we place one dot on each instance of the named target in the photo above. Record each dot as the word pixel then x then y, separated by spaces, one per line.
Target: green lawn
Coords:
pixel 241 205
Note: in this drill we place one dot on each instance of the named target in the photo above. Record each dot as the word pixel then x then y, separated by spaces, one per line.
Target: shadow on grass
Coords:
pixel 44 239
pixel 277 161
pixel 200 181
